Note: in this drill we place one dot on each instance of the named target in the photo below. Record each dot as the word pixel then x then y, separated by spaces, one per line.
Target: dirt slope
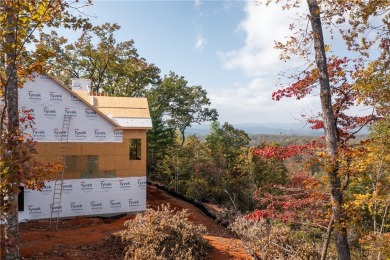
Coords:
pixel 88 238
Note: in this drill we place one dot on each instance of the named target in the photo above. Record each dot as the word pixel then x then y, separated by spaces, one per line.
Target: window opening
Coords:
pixel 135 149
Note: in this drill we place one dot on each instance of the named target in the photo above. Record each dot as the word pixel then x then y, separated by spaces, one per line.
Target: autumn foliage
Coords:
pixel 302 200
pixel 341 72
pixel 305 199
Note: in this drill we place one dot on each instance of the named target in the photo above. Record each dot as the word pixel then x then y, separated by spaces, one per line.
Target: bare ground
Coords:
pixel 91 238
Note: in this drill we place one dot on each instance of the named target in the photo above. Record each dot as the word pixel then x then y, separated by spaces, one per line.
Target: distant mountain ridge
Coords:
pixel 265 128
pixel 261 128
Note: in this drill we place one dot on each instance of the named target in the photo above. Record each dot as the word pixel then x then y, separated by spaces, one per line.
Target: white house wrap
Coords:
pixel 87 197
pixel 48 105
pixel 105 156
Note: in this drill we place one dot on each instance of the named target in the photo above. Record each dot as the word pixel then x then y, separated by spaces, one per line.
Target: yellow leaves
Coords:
pixel 340 73
pixel 57 167
pixel 43 11
pixel 327 48
pixel 322 154
pixel 360 199
pixel 364 43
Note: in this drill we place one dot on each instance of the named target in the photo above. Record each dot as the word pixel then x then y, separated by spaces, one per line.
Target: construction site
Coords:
pixel 100 140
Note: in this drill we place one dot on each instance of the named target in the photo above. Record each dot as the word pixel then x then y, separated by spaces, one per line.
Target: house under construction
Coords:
pixel 100 139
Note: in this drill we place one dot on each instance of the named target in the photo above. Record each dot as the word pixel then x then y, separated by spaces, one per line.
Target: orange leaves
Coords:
pixel 18 165
pixel 41 172
pixel 23 19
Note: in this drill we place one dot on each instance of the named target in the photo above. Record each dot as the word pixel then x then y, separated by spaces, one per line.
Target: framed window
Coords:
pixel 135 149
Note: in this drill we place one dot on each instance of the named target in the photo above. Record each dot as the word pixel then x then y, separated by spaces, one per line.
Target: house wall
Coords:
pixel 48 102
pixel 99 176
pixel 98 160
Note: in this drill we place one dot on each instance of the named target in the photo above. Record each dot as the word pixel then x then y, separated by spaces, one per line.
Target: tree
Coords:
pixel 370 191
pixel 238 172
pixel 160 139
pixel 19 22
pixel 180 105
pixel 227 141
pixel 174 107
pixel 335 138
pixel 117 70
pixel 114 68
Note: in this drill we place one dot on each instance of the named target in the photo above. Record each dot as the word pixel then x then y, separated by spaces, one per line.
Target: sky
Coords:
pixel 224 46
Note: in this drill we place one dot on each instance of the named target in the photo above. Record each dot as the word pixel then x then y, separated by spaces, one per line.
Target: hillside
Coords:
pixel 89 238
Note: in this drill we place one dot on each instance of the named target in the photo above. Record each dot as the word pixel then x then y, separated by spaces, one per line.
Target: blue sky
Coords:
pixel 224 46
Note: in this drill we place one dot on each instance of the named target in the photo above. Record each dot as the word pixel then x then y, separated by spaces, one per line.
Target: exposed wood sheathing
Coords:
pixel 111 156
pixel 118 106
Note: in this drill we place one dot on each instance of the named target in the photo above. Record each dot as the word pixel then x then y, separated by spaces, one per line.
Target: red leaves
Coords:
pixel 316 124
pixel 385 43
pixel 299 89
pixel 342 74
pixel 26 117
pixel 307 81
pixel 287 151
pixel 302 198
pixel 260 214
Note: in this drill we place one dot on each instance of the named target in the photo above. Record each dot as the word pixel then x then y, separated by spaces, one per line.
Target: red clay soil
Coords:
pixel 91 238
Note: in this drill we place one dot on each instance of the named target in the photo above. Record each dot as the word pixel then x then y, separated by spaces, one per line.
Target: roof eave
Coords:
pixel 134 128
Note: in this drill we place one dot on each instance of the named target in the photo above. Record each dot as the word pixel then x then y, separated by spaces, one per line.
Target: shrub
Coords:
pixel 164 234
pixel 376 246
pixel 275 240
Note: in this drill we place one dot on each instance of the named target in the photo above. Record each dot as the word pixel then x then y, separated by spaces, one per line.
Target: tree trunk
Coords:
pixel 327 239
pixel 12 119
pixel 330 129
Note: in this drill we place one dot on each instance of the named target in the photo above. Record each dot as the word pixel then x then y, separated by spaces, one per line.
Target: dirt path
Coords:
pixel 88 238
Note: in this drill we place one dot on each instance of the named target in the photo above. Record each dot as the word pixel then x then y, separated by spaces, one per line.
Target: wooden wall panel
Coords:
pixel 112 157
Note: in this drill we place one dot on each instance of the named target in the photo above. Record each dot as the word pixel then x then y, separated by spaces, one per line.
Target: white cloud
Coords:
pixel 201 42
pixel 257 58
pixel 253 103
pixel 262 26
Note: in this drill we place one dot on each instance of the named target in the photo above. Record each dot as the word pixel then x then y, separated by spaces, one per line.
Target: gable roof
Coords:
pixel 122 112
pixel 82 100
